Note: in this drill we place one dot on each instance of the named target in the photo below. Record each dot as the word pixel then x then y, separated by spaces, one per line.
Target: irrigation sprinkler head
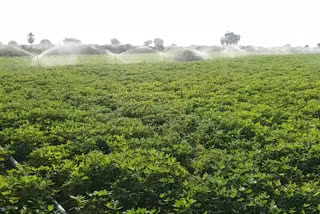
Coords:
pixel 38 61
pixel 15 164
pixel 165 51
pixel 58 206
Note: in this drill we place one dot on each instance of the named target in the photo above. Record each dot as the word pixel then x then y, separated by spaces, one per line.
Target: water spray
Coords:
pixel 164 52
pixel 115 59
pixel 38 62
pixel 223 50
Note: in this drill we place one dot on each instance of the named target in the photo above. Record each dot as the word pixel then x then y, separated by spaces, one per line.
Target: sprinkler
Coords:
pixel 15 164
pixel 106 58
pixel 223 49
pixel 115 59
pixel 38 62
pixel 164 54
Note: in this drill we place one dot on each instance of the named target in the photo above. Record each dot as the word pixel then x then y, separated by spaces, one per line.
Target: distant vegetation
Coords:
pixel 230 38
pixel 229 48
pixel 115 41
pixel 147 43
pixel 158 44
pixel 31 38
pixel 71 40
pixel 12 43
pixel 46 44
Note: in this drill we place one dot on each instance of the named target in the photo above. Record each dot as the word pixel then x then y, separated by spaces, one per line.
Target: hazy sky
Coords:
pixel 183 22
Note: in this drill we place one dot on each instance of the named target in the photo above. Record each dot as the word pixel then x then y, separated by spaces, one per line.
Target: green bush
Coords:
pixel 227 136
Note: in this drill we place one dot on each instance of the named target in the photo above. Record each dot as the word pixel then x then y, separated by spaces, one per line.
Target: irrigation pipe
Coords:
pixel 164 52
pixel 15 164
pixel 38 61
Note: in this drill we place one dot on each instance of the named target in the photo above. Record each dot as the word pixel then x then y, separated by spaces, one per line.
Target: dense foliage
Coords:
pixel 188 55
pixel 227 136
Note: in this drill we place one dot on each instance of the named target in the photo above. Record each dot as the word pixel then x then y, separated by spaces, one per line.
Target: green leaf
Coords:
pixel 249 191
pixel 233 195
pixel 50 207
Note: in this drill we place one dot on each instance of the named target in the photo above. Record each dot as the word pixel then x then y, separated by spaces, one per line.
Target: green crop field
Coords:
pixel 225 136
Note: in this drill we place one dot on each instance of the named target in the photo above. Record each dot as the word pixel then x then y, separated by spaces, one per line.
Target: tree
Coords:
pixel 12 43
pixel 30 38
pixel 230 38
pixel 318 45
pixel 158 43
pixel 126 47
pixel 147 43
pixel 115 41
pixel 45 43
pixel 71 41
pixel 188 55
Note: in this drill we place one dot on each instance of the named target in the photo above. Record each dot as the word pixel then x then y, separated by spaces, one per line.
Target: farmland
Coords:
pixel 225 136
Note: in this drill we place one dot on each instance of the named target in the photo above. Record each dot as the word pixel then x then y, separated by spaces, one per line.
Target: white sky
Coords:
pixel 183 22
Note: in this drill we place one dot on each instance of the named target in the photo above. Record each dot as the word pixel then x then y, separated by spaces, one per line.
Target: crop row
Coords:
pixel 228 136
